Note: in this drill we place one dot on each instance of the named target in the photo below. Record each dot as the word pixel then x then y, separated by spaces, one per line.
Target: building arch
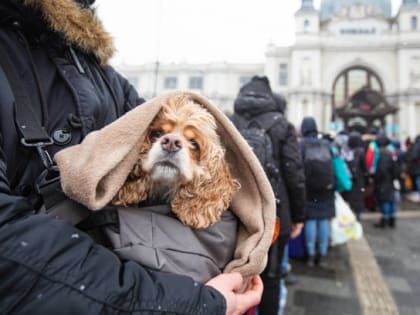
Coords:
pixel 352 79
pixel 358 99
pixel 340 63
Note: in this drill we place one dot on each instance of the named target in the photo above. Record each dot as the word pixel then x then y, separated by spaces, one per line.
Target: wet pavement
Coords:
pixel 377 275
pixel 328 291
pixel 398 255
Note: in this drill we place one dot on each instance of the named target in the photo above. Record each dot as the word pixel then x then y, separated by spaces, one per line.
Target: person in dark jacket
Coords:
pixel 414 169
pixel 255 100
pixel 320 206
pixel 355 159
pixel 386 172
pixel 55 88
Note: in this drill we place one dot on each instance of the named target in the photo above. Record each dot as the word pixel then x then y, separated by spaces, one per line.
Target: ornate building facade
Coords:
pixel 353 65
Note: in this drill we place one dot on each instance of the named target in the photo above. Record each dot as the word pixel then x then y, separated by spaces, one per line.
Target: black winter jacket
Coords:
pixel 386 171
pixel 357 165
pixel 318 206
pixel 46 265
pixel 414 158
pixel 291 186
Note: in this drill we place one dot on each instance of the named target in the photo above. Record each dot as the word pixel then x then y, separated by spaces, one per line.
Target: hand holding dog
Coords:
pixel 237 303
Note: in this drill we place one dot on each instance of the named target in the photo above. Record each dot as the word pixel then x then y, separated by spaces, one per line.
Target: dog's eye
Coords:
pixel 156 134
pixel 194 145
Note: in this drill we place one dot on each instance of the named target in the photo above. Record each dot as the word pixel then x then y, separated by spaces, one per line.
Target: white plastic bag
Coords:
pixel 344 226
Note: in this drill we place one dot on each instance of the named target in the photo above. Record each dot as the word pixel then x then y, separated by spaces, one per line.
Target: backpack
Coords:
pixel 318 165
pixel 255 133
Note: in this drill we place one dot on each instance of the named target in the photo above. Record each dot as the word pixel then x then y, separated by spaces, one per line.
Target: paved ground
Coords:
pixel 398 255
pixel 328 292
pixel 394 254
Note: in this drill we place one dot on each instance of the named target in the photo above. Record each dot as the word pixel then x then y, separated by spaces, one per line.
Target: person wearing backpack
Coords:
pixel 386 172
pixel 55 87
pixel 413 157
pixel 355 159
pixel 260 119
pixel 320 185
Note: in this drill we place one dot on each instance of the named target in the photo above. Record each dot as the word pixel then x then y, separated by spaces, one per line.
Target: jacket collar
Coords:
pixel 78 25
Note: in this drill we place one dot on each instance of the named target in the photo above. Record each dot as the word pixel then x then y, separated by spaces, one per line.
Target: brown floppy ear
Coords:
pixel 134 189
pixel 201 202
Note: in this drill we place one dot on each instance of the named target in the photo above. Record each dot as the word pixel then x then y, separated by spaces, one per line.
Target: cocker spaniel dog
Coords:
pixel 182 161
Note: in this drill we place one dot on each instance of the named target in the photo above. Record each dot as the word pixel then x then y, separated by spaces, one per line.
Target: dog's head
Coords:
pixel 182 160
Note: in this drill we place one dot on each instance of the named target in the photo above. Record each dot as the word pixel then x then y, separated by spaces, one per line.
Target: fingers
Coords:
pixel 252 296
pixel 237 281
pixel 226 282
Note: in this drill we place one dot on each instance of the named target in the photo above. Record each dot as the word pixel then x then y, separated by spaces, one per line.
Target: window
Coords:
pixel 352 80
pixel 196 83
pixel 283 74
pixel 356 79
pixel 170 83
pixel 414 23
pixel 306 25
pixel 244 80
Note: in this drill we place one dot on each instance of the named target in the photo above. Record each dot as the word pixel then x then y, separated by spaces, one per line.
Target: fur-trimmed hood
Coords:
pixel 77 23
pixel 93 172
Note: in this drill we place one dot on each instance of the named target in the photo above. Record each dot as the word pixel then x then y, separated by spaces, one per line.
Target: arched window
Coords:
pixel 414 22
pixel 352 80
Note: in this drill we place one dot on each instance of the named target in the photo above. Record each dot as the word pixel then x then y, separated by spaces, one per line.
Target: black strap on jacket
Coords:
pixel 34 135
pixel 32 132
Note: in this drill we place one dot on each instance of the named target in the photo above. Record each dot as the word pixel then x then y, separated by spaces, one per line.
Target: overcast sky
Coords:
pixel 198 30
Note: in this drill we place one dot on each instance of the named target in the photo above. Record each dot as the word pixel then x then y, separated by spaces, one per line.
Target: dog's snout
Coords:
pixel 171 143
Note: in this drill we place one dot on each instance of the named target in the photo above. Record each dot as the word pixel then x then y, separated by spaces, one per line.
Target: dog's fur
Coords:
pixel 182 161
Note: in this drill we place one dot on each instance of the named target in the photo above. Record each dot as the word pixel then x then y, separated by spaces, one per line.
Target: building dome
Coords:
pixel 330 7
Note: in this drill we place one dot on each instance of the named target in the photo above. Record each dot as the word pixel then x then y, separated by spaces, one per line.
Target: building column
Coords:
pixel 411 118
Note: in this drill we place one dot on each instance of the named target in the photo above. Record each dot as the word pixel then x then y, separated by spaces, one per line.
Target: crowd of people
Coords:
pixel 373 173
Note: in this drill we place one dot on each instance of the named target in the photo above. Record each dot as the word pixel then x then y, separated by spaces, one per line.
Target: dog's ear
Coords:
pixel 134 189
pixel 201 202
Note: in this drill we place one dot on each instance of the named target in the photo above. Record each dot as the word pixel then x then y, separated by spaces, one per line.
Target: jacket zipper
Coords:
pixel 76 60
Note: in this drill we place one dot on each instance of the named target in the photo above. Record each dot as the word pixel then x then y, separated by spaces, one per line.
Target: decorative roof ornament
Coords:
pixel 331 7
pixel 410 3
pixel 307 6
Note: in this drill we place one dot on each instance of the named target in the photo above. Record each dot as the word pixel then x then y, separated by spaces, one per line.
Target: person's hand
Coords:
pixel 228 284
pixel 296 230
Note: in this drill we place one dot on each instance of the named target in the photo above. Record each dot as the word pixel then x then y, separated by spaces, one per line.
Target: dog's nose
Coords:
pixel 171 143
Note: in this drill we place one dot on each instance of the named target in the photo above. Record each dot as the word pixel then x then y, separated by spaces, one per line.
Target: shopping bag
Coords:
pixel 344 226
pixel 342 175
pixel 297 246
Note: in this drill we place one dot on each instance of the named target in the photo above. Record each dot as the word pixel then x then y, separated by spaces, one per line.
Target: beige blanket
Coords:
pixel 93 171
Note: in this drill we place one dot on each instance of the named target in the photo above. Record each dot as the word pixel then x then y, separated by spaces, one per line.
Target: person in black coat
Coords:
pixel 355 159
pixel 319 206
pixel 55 88
pixel 255 99
pixel 386 172
pixel 414 170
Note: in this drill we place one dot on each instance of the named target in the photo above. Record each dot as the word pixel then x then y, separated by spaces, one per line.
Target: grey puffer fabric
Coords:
pixel 154 237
